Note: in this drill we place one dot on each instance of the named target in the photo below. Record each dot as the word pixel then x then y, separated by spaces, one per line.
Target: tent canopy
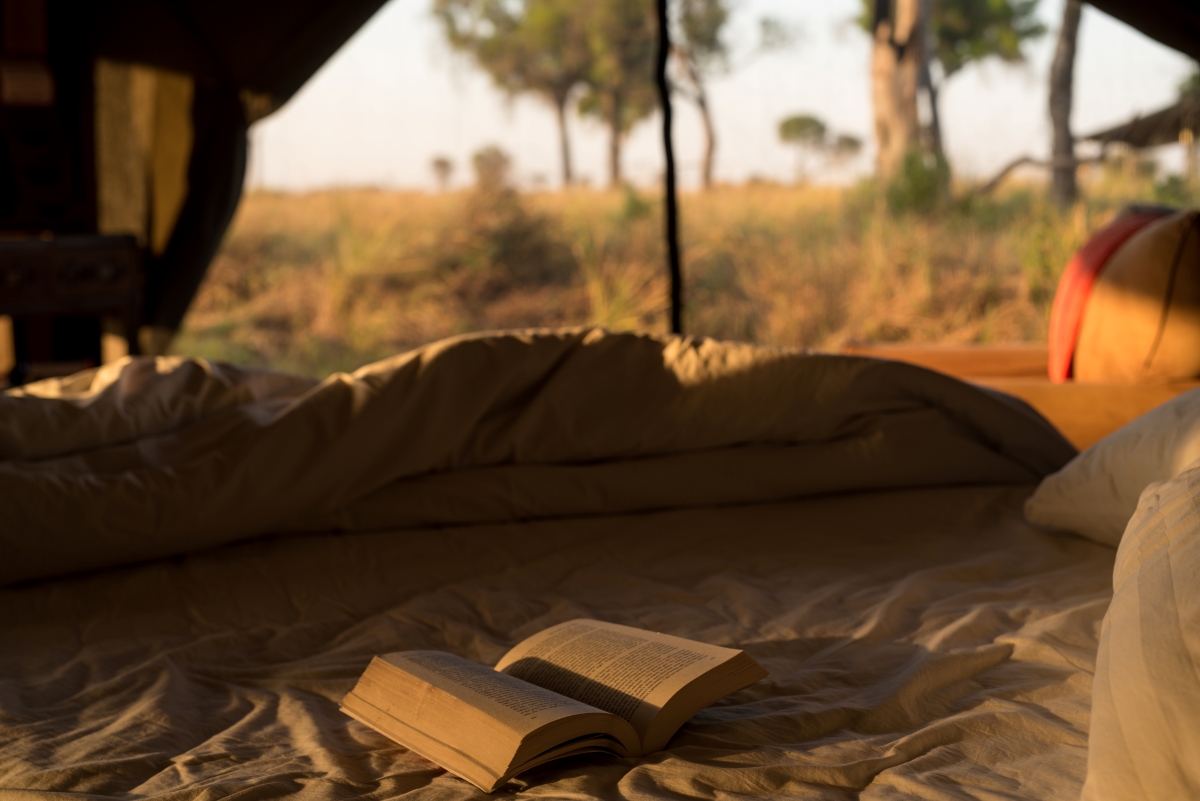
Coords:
pixel 1160 128
pixel 1175 23
pixel 266 48
pixel 272 47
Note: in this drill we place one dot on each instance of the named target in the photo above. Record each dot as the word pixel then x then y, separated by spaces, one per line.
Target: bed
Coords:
pixel 197 561
pixel 200 560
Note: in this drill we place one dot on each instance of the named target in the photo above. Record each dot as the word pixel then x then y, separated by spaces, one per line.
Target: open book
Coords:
pixel 580 686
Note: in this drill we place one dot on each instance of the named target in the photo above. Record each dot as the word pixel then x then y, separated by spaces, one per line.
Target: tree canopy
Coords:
pixel 963 31
pixel 802 129
pixel 599 56
pixel 700 48
pixel 702 33
pixel 909 38
pixel 554 47
pixel 620 88
pixel 845 146
pixel 623 39
pixel 536 46
pixel 973 30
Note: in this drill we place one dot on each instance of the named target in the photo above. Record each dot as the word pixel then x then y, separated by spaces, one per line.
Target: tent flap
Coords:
pixel 263 46
pixel 1175 23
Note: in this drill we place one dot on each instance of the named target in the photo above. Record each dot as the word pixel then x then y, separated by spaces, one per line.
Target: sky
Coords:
pixel 394 97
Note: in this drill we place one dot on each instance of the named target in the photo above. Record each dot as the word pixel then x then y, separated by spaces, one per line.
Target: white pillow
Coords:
pixel 1096 493
pixel 1144 737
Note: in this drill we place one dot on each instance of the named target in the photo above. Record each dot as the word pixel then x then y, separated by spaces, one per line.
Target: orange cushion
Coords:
pixel 1075 286
pixel 1141 323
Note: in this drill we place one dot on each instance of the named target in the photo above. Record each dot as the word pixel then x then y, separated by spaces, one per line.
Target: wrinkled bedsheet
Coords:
pixel 854 525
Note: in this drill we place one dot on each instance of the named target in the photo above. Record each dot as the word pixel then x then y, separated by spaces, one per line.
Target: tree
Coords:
pixel 702 50
pixel 442 168
pixel 963 31
pixel 1063 187
pixel 492 168
pixel 557 60
pixel 844 147
pixel 897 51
pixel 537 46
pixel 807 134
pixel 803 129
pixel 620 86
pixel 910 36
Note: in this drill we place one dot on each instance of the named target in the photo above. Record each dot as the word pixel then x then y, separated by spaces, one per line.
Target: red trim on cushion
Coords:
pixel 1075 285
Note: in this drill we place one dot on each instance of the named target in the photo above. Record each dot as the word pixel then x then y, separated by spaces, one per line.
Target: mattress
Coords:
pixel 855 525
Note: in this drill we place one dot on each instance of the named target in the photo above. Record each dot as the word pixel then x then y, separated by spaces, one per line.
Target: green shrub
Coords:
pixel 1174 191
pixel 921 186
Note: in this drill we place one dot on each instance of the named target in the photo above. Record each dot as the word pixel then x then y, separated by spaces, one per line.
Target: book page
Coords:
pixel 628 672
pixel 518 705
pixel 480 724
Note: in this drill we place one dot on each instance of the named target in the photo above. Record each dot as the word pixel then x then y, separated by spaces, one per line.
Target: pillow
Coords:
pixel 1144 735
pixel 1142 318
pixel 1096 493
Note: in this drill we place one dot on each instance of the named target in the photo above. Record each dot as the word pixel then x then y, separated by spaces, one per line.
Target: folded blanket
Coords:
pixel 155 457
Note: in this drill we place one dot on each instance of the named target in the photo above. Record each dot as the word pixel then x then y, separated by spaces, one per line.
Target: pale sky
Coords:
pixel 394 97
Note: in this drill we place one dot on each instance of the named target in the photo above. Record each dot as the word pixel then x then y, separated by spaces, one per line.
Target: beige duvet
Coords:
pixel 241 544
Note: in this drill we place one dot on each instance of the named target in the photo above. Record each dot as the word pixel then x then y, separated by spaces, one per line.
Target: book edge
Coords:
pixel 404 728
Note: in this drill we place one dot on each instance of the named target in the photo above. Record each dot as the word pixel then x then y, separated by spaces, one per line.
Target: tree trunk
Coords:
pixel 935 117
pixel 710 139
pixel 564 142
pixel 1062 77
pixel 896 57
pixel 931 89
pixel 614 141
pixel 710 133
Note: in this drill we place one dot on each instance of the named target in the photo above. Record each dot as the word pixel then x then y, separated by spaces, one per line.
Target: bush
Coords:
pixel 498 246
pixel 635 206
pixel 921 186
pixel 1174 191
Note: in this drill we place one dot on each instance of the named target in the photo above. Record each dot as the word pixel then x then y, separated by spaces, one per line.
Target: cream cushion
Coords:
pixel 1097 492
pixel 1144 738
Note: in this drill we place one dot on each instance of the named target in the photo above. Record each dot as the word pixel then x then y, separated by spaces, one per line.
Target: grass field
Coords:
pixel 331 280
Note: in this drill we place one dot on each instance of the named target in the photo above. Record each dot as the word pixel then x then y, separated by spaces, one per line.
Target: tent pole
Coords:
pixel 669 199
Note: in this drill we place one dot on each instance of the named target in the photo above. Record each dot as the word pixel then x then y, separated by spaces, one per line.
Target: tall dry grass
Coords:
pixel 330 280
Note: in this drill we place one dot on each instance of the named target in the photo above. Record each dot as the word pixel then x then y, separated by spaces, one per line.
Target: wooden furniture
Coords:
pixel 1084 413
pixel 56 289
pixel 62 285
pixel 964 361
